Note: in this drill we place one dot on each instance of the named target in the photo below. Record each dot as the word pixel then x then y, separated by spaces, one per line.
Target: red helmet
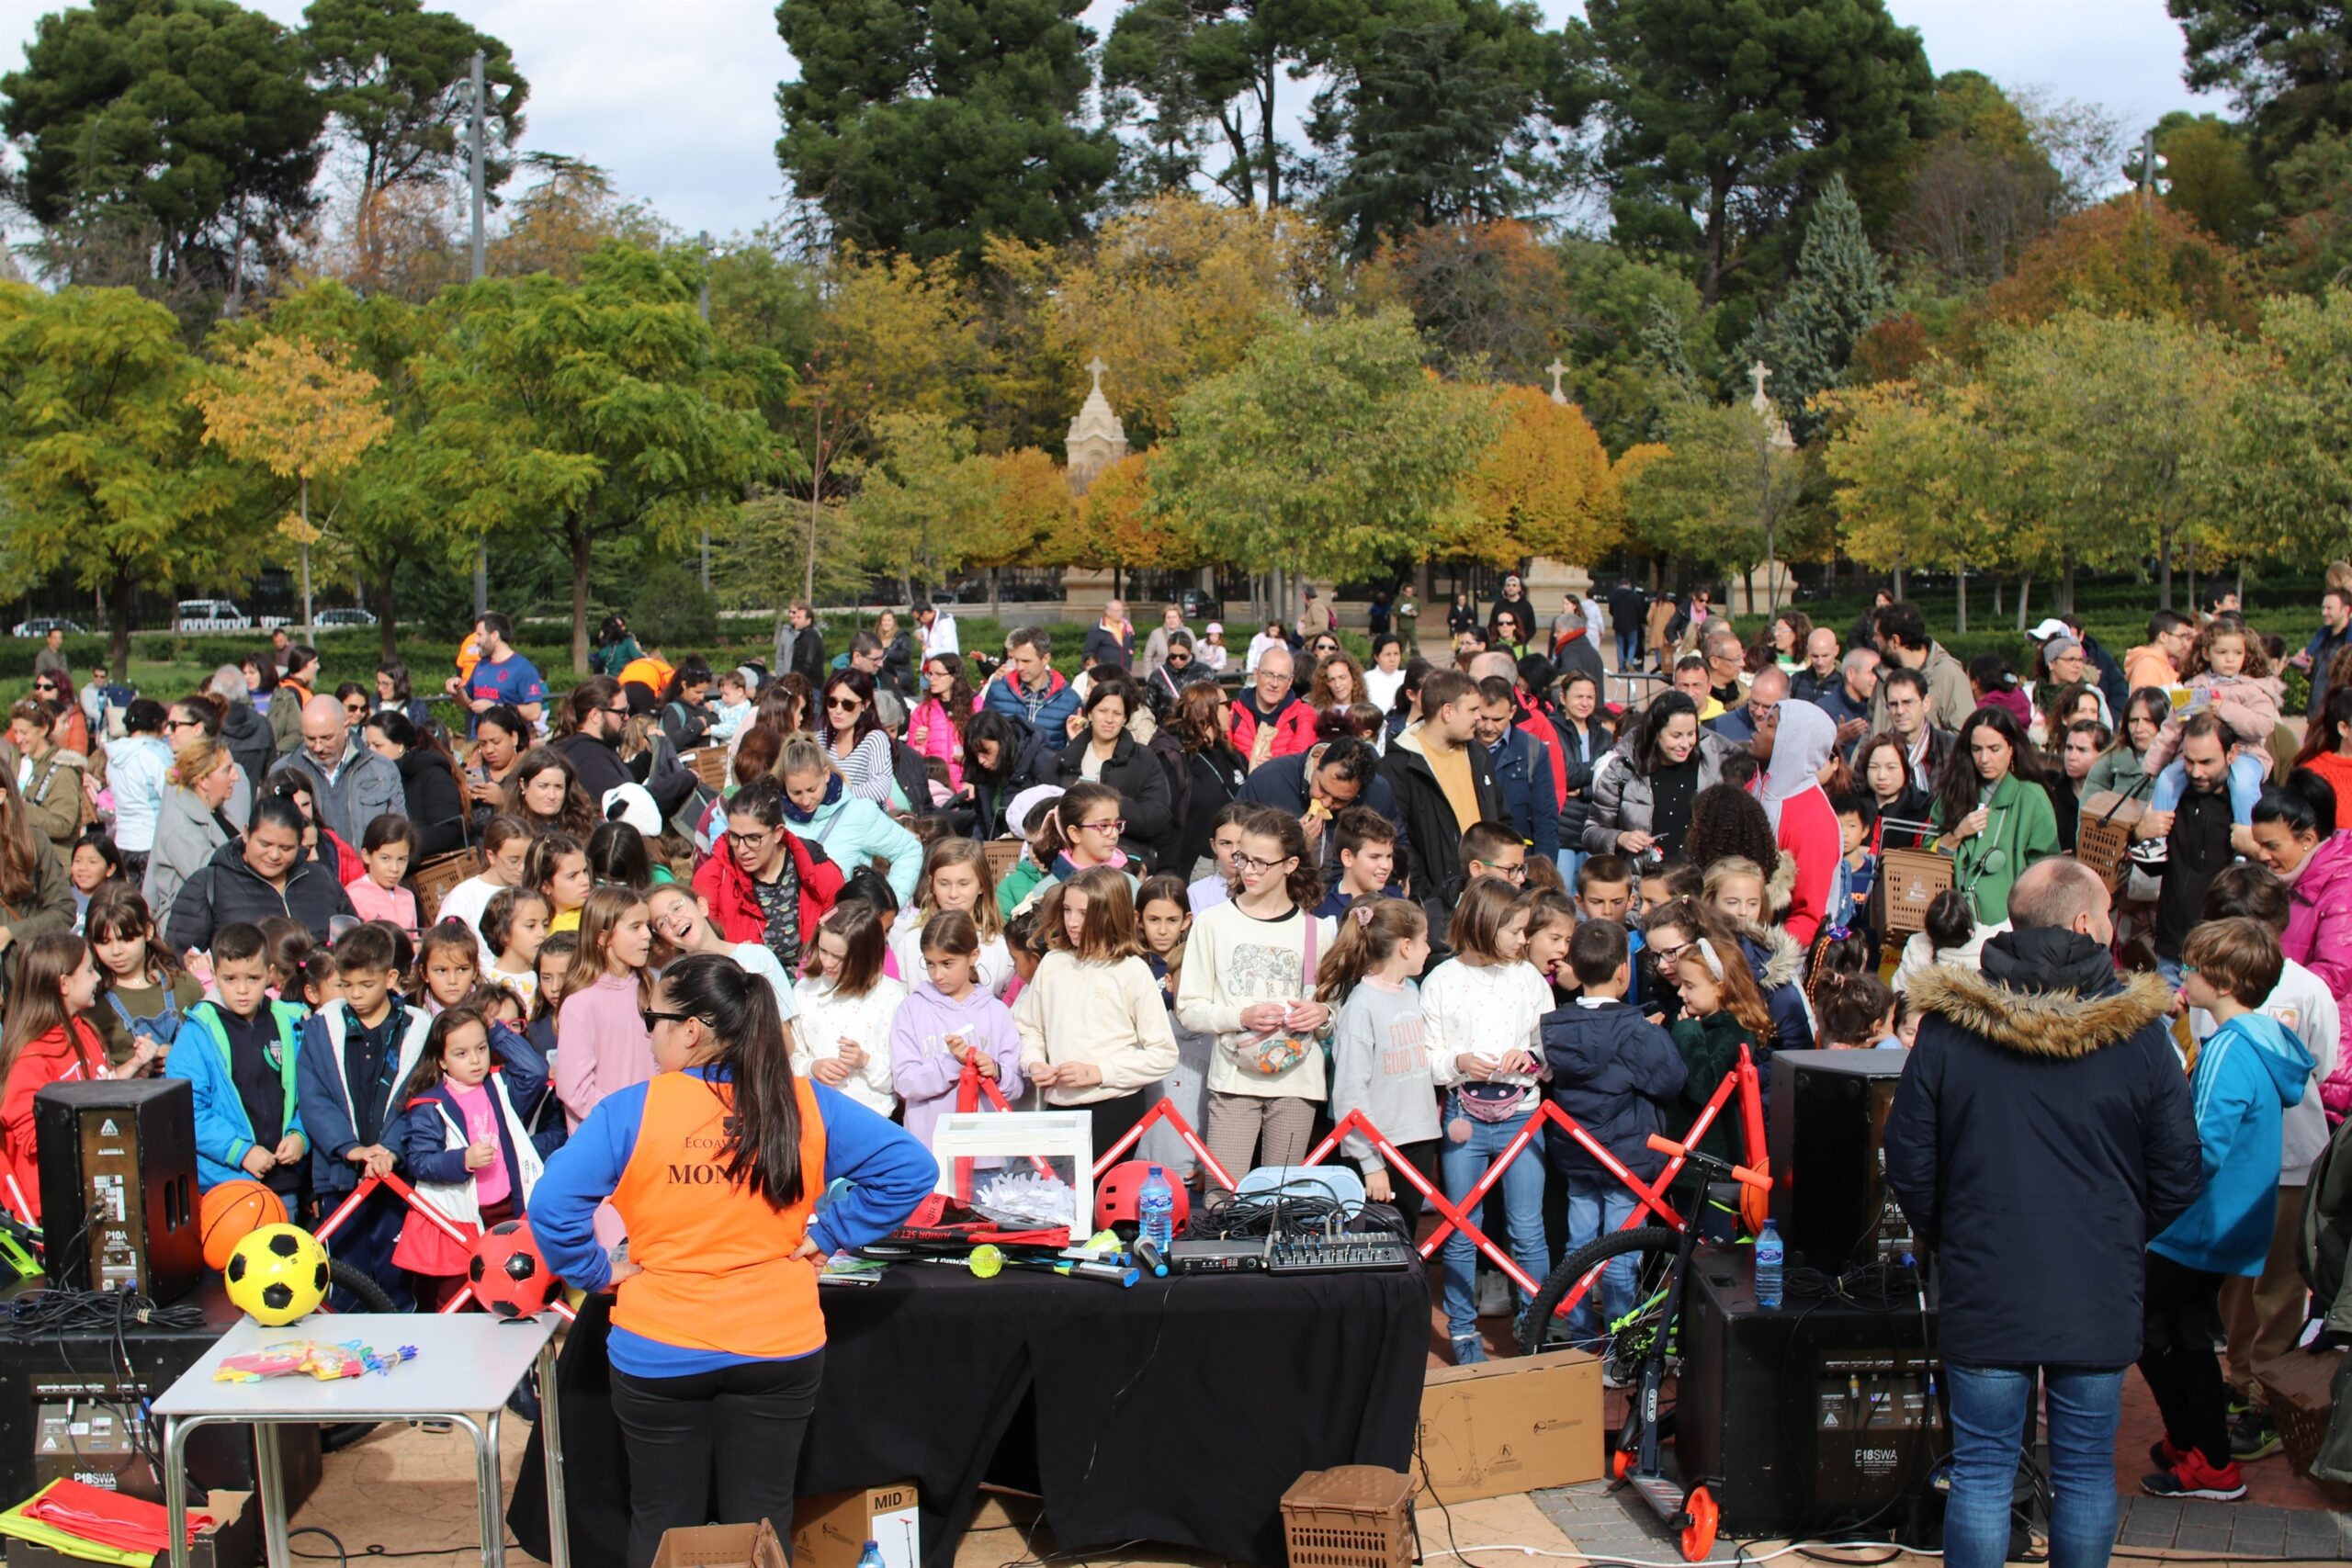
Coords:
pixel 1116 1193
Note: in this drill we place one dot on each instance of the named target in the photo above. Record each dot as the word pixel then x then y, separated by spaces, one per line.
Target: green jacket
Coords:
pixel 2021 828
pixel 1710 1048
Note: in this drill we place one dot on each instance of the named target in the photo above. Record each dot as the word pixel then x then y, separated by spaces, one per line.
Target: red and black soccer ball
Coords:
pixel 508 1276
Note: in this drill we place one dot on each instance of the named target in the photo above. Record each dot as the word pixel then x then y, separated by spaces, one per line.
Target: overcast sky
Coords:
pixel 676 98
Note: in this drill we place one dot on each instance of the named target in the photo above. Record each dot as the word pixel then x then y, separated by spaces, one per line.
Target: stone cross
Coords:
pixel 1760 374
pixel 1095 367
pixel 1557 371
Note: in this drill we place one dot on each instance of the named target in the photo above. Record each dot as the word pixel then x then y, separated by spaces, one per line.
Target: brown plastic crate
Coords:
pixel 709 765
pixel 433 881
pixel 1357 1516
pixel 1912 879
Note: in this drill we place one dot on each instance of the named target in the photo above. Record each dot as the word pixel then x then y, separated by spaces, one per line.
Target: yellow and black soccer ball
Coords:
pixel 278 1274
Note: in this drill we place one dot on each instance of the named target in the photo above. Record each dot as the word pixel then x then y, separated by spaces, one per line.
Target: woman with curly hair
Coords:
pixel 1337 685
pixel 1214 771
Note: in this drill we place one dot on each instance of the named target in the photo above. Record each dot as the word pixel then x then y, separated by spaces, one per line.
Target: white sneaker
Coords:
pixel 1494 1296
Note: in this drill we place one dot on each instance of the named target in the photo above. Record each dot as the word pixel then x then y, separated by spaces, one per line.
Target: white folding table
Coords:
pixel 466 1363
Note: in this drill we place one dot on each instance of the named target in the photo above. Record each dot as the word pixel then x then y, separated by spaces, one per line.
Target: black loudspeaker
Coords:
pixel 118 1186
pixel 1829 1194
pixel 1820 1416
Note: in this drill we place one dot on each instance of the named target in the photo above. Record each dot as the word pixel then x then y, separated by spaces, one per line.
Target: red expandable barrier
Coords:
pixel 449 1226
pixel 1164 1111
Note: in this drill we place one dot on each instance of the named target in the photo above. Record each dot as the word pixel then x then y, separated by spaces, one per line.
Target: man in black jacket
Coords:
pixel 599 715
pixel 1445 784
pixel 1333 776
pixel 800 645
pixel 264 873
pixel 2040 1135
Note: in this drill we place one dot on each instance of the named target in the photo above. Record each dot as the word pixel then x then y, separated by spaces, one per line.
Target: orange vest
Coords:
pixel 647 671
pixel 718 1270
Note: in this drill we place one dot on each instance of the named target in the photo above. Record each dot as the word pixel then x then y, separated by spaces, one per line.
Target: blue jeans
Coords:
pixel 1460 1166
pixel 1629 649
pixel 1568 861
pixel 1597 1205
pixel 1988 1412
pixel 2246 786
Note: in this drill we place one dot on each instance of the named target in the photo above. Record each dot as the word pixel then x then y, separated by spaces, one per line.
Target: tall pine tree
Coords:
pixel 1809 337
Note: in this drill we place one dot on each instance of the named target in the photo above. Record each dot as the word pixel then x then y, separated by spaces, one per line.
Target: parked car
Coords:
pixel 328 620
pixel 41 625
pixel 212 615
pixel 1199 605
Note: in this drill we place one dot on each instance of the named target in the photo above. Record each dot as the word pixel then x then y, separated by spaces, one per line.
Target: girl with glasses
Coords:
pixel 1249 977
pixel 1105 753
pixel 936 728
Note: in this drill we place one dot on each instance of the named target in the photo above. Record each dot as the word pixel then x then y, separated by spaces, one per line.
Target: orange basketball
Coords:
pixel 232 1212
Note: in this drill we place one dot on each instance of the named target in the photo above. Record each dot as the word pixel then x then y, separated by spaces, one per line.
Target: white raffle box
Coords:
pixel 1024 1145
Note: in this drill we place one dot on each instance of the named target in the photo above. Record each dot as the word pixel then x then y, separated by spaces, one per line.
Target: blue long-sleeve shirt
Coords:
pixel 889 1171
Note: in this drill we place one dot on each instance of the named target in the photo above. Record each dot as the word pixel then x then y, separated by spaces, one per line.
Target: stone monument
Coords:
pixel 1769 583
pixel 1546 579
pixel 1096 441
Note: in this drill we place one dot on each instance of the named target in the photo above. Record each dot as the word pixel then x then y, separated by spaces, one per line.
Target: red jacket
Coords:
pixel 1809 832
pixel 735 909
pixel 1535 725
pixel 1294 726
pixel 70 1054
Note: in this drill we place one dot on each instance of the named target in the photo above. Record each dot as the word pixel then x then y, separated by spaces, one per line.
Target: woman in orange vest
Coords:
pixel 716 1167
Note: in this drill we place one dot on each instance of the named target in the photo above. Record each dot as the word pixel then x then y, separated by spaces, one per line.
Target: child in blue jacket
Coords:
pixel 1617 1074
pixel 239 1061
pixel 2250 1071
pixel 357 1057
pixel 466 1139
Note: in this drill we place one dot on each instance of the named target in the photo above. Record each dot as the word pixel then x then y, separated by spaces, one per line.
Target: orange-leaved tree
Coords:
pixel 1544 487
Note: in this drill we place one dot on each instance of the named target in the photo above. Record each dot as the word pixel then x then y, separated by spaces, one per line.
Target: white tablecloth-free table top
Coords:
pixel 466 1360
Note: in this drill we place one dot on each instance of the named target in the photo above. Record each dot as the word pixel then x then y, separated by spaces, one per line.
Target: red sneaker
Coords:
pixel 2164 1456
pixel 2193 1477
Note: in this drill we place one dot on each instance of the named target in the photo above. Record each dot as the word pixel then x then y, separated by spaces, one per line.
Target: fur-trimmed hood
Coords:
pixel 1781 893
pixel 1774 953
pixel 2056 1023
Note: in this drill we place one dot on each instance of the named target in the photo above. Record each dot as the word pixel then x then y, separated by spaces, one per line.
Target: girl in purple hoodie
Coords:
pixel 947 1021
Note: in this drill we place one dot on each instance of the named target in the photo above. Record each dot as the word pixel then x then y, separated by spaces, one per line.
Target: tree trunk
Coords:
pixel 2025 592
pixel 388 633
pixel 2163 568
pixel 1997 585
pixel 996 594
pixel 2188 559
pixel 119 630
pixel 582 545
pixel 1960 579
pixel 2241 581
pixel 1895 580
pixel 2066 589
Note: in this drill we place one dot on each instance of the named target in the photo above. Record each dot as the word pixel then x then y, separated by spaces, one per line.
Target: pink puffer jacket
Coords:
pixel 2319 937
pixel 2248 705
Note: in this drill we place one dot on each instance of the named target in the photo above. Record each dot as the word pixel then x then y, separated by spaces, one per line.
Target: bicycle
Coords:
pixel 1642 1341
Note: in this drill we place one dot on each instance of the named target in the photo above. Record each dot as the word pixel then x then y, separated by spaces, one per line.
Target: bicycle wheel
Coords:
pixel 1653 1248
pixel 371 1297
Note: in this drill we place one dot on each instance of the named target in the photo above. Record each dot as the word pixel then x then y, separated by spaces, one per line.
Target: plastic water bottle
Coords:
pixel 1769 1255
pixel 1156 1212
pixel 870 1557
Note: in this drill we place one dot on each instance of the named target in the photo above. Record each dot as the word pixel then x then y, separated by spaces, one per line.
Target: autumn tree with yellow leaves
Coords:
pixel 301 412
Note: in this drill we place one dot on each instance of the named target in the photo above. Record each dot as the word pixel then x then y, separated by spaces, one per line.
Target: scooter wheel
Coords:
pixel 1621 1465
pixel 1699 1534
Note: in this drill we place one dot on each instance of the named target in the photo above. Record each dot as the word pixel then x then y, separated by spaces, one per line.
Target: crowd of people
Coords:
pixel 1437 893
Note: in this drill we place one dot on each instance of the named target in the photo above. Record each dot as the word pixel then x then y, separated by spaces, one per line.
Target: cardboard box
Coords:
pixel 831 1531
pixel 1510 1425
pixel 720 1546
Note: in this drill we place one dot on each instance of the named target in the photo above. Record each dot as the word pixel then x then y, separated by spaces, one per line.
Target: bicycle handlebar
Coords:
pixel 1740 1173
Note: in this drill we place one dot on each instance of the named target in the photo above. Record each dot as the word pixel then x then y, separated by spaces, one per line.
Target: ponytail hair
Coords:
pixel 1370 931
pixel 1839 953
pixel 761 1148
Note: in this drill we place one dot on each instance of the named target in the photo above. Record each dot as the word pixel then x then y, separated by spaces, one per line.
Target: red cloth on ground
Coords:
pixel 110 1518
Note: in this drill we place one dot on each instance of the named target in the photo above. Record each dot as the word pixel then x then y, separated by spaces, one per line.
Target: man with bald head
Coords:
pixel 1820 668
pixel 1737 724
pixel 2042 1133
pixel 350 785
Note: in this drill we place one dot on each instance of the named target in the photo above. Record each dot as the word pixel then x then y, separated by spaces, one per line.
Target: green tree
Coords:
pixel 1809 338
pixel 2290 476
pixel 603 411
pixel 2118 428
pixel 925 499
pixel 184 129
pixel 2288 64
pixel 2212 176
pixel 108 473
pixel 925 128
pixel 1198 73
pixel 1920 480
pixel 1328 449
pixel 1981 191
pixel 1717 493
pixel 1723 114
pixel 397 85
pixel 1441 111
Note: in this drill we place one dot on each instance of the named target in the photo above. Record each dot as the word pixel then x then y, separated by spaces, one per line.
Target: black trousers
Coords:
pixel 1408 1200
pixel 1112 1118
pixel 2183 1370
pixel 740 1426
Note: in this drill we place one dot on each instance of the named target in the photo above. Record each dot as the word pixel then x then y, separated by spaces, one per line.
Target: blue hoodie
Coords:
pixel 2249 1073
